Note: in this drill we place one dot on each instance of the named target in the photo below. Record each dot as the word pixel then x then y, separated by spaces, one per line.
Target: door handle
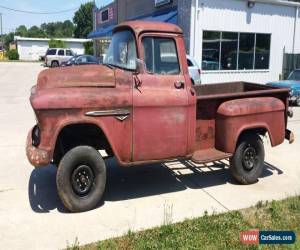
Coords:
pixel 179 84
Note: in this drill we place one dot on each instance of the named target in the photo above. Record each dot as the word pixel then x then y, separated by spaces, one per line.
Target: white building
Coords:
pixel 241 40
pixel 31 49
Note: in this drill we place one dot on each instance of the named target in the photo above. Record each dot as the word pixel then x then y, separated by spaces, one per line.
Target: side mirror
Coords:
pixel 140 66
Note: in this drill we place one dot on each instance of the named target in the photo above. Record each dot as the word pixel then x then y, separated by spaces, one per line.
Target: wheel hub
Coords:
pixel 82 180
pixel 249 158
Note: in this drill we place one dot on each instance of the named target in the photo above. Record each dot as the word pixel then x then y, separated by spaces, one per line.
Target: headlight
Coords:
pixel 36 136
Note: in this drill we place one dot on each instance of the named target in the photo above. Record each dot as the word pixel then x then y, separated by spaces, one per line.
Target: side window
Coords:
pixel 61 52
pixel 69 53
pixel 81 59
pixel 51 52
pixel 91 59
pixel 161 56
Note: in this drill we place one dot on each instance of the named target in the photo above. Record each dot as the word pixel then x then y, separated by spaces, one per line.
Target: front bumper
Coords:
pixel 37 157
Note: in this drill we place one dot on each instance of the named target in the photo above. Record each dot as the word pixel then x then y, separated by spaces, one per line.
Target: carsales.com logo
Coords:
pixel 255 237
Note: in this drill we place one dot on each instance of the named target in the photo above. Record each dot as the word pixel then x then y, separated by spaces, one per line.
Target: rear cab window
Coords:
pixel 160 55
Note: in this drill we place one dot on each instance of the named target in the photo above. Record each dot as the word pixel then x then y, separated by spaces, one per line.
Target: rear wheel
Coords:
pixel 54 64
pixel 298 101
pixel 248 160
pixel 81 179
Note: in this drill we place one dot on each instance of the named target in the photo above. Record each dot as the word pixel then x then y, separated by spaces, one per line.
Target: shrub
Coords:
pixel 13 54
pixel 56 44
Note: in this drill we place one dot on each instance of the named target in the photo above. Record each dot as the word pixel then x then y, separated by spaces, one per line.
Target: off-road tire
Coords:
pixel 87 159
pixel 297 102
pixel 248 145
pixel 54 64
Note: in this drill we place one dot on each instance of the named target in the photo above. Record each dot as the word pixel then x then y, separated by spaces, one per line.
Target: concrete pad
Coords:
pixel 32 216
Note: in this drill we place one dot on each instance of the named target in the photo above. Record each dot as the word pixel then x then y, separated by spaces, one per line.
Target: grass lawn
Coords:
pixel 220 231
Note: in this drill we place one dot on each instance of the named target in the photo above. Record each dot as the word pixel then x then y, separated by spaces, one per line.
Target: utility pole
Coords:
pixel 1 29
pixel 2 40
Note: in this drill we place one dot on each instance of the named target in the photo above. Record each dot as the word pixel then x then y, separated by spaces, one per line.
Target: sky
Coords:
pixel 11 20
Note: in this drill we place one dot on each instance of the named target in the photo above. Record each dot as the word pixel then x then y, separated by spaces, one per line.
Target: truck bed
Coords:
pixel 235 89
pixel 211 96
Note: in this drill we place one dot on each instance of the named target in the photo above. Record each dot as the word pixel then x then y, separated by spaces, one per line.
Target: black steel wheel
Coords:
pixel 81 179
pixel 248 160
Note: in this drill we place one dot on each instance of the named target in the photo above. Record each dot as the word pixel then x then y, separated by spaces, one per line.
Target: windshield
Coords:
pixel 295 76
pixel 122 51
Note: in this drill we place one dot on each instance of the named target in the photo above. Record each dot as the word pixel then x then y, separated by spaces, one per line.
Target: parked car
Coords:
pixel 81 60
pixel 194 70
pixel 140 108
pixel 292 83
pixel 55 57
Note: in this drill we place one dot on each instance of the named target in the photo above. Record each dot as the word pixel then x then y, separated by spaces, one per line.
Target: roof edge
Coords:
pixel 20 38
pixel 275 2
pixel 140 26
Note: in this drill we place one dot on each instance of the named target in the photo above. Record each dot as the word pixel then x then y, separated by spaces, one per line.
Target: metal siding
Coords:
pixel 32 50
pixel 232 15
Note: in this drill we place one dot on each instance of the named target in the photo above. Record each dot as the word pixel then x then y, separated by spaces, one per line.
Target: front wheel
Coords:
pixel 248 160
pixel 81 179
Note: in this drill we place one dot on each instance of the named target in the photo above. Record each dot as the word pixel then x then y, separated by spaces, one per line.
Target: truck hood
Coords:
pixel 77 76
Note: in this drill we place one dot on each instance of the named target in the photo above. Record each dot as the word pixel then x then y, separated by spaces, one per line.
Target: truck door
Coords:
pixel 160 102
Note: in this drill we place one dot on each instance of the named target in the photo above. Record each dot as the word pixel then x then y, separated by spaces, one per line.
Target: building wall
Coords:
pixel 234 15
pixel 33 50
pixel 128 9
pixel 113 18
pixel 184 20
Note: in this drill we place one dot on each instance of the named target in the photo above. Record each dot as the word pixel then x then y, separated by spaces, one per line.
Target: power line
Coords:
pixel 38 13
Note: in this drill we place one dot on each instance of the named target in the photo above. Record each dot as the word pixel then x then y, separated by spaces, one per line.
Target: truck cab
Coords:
pixel 140 106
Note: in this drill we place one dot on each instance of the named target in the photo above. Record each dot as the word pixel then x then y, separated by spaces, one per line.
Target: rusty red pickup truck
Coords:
pixel 140 107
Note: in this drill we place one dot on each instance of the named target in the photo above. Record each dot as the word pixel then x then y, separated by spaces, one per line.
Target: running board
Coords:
pixel 209 155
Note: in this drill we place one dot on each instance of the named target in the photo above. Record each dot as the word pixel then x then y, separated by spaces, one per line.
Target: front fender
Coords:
pixel 118 133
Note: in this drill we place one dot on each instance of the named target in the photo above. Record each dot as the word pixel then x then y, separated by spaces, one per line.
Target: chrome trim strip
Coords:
pixel 113 112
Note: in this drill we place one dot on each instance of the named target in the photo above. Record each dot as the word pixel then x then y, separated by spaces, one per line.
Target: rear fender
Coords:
pixel 259 115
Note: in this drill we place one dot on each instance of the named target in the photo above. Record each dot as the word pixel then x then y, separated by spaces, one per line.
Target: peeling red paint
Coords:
pixel 163 122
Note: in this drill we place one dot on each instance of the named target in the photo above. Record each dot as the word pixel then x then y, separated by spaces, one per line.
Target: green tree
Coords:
pixel 56 44
pixel 68 28
pixel 35 31
pixel 21 31
pixel 58 29
pixel 83 20
pixel 8 38
pixel 88 48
